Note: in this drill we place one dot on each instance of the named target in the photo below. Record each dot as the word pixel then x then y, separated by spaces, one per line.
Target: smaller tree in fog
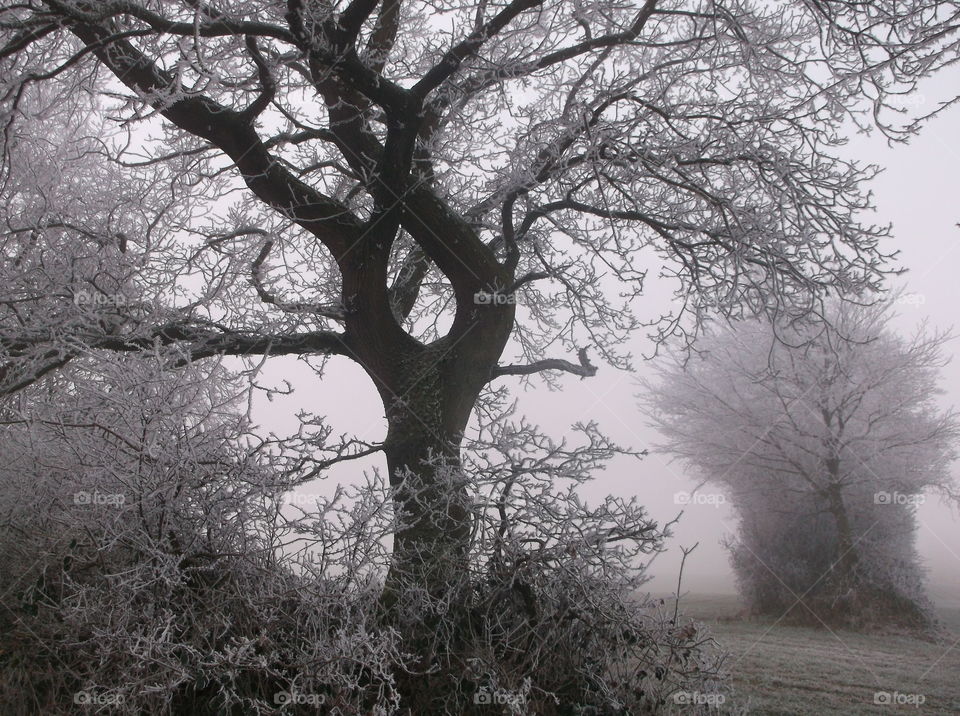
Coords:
pixel 826 435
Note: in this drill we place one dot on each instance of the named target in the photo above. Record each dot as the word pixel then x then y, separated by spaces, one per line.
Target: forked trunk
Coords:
pixel 428 393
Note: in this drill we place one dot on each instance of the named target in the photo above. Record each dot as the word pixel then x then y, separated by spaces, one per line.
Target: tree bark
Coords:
pixel 847 557
pixel 428 582
pixel 428 393
pixel 427 417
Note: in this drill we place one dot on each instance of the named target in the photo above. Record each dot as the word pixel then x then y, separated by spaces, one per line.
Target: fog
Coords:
pixel 457 198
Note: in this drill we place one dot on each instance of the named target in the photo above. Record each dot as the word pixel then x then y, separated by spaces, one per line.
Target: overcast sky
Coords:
pixel 918 193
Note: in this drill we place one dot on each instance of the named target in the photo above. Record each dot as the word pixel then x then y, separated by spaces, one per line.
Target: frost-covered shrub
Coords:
pixel 152 567
pixel 142 566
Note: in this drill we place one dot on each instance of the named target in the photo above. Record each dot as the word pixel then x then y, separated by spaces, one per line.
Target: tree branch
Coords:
pixel 455 56
pixel 585 369
pixel 192 342
pixel 267 83
pixel 384 35
pixel 406 286
pixel 327 219
pixel 220 26
pixel 256 278
pixel 352 19
pixel 197 342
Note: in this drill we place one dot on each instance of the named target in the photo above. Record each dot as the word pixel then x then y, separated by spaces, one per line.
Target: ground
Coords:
pixel 785 670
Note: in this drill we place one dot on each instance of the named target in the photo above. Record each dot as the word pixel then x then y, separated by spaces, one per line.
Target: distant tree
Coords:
pixel 454 194
pixel 826 435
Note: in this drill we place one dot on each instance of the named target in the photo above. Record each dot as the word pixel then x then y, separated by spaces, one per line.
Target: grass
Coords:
pixel 779 669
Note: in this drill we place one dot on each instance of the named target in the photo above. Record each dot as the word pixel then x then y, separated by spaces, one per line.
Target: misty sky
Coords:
pixel 918 193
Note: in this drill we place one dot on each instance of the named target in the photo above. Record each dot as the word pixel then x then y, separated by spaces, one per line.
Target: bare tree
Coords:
pixel 424 188
pixel 826 434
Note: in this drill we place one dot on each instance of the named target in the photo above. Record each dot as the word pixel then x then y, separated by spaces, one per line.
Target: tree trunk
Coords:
pixel 428 582
pixel 431 498
pixel 847 557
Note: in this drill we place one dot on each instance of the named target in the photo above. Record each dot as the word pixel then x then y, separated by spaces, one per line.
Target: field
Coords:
pixel 780 669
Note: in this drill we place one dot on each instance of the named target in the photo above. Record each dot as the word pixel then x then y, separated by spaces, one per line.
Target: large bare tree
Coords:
pixel 450 194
